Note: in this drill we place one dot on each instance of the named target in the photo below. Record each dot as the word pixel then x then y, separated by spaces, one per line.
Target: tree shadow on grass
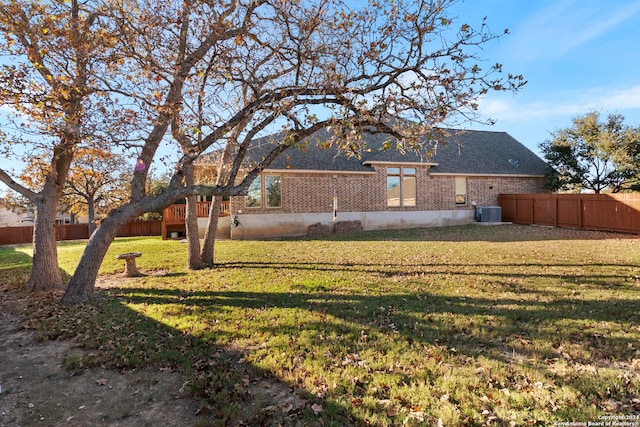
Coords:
pixel 498 271
pixel 231 390
pixel 409 312
pixel 475 232
pixel 15 268
pixel 345 325
pixel 336 327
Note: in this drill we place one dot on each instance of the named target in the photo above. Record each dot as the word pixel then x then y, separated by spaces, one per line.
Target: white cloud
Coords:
pixel 570 103
pixel 566 25
pixel 623 99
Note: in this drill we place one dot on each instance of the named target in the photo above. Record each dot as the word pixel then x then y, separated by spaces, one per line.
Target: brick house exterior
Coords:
pixel 308 193
pixel 471 166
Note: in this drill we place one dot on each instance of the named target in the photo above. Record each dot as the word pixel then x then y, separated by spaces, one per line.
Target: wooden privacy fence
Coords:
pixel 17 235
pixel 141 228
pixel 602 212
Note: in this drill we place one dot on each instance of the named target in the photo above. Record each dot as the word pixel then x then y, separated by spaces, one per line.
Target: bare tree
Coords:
pixel 352 70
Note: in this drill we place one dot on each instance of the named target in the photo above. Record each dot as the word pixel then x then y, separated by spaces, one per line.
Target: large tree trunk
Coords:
pixel 45 274
pixel 82 284
pixel 91 213
pixel 191 225
pixel 208 247
pixel 193 238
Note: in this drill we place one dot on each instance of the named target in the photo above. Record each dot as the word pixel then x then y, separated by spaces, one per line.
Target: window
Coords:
pixel 271 190
pixel 461 190
pixel 401 186
pixel 408 186
pixel 273 186
pixel 253 199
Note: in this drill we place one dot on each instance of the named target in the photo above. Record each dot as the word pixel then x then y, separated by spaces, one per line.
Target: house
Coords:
pixel 9 218
pixel 384 188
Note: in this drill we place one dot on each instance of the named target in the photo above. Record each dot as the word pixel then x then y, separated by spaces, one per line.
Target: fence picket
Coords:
pixel 600 212
pixel 18 235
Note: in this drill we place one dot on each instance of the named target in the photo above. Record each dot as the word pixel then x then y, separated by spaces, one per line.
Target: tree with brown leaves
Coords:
pixel 50 87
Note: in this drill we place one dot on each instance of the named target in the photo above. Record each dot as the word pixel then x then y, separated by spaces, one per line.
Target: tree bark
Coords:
pixel 191 225
pixel 45 274
pixel 81 286
pixel 222 178
pixel 208 246
pixel 91 213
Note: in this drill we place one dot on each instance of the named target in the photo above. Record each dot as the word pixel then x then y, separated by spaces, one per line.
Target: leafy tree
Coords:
pixel 594 154
pixel 207 76
pixel 57 56
pixel 16 203
pixel 97 184
pixel 156 185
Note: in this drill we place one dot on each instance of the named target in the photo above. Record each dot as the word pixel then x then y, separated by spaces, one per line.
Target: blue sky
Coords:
pixel 577 55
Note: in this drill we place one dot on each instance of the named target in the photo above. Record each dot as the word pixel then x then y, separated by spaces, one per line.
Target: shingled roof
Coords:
pixel 465 152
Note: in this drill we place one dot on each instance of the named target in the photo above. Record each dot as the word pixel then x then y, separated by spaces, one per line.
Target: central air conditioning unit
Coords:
pixel 490 213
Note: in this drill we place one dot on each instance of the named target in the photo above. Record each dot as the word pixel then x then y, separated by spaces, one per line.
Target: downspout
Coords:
pixel 476 214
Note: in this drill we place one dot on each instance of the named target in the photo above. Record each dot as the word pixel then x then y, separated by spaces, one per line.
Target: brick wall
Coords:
pixel 485 190
pixel 313 193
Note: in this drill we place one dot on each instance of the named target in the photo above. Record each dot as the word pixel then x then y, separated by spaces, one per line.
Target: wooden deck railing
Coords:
pixel 175 214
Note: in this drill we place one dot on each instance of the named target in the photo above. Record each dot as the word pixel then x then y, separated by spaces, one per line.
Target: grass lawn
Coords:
pixel 503 325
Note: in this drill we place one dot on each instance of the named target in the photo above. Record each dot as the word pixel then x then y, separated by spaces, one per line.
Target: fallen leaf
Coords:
pixel 183 387
pixel 101 381
pixel 611 405
pixel 316 408
pixel 417 415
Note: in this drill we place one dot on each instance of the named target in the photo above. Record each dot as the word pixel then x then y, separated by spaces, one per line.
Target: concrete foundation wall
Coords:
pixel 223 227
pixel 259 226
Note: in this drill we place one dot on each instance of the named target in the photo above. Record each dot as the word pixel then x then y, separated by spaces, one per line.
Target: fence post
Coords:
pixel 580 213
pixel 533 209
